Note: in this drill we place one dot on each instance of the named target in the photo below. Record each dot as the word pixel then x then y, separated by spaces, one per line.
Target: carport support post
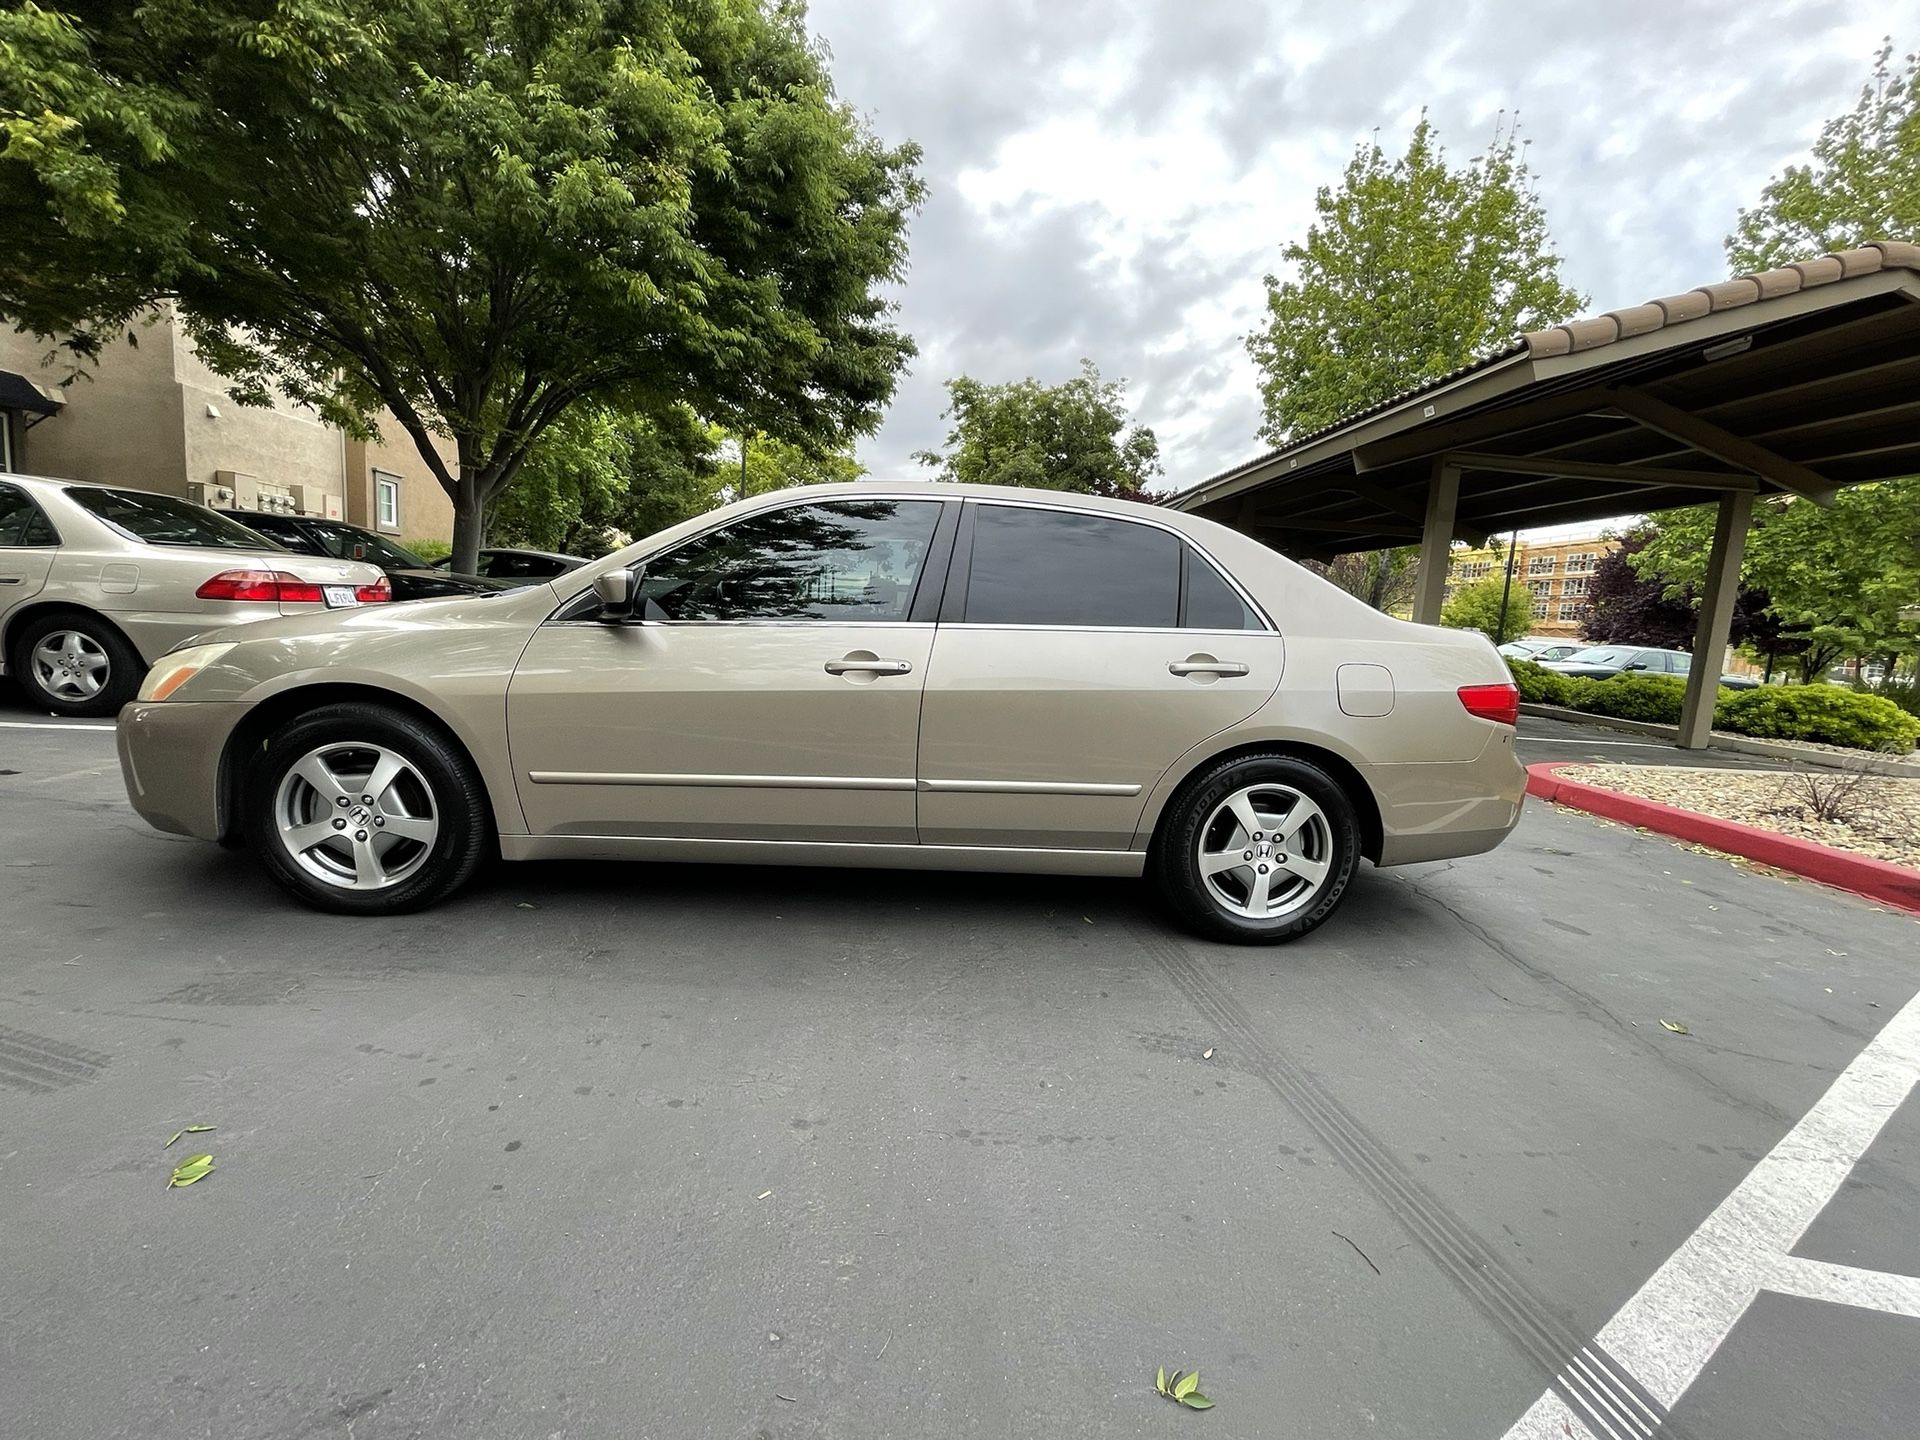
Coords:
pixel 1436 543
pixel 1716 618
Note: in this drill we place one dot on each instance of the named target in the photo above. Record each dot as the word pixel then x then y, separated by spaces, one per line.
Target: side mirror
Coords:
pixel 614 590
pixel 1635 665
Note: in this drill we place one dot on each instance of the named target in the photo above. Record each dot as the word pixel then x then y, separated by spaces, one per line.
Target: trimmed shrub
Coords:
pixel 1904 693
pixel 1538 685
pixel 1653 698
pixel 1824 713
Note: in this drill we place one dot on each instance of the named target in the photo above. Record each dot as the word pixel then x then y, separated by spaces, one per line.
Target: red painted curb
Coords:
pixel 1862 874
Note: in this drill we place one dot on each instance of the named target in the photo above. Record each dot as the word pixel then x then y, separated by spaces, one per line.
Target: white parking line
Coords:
pixel 1667 1332
pixel 47 725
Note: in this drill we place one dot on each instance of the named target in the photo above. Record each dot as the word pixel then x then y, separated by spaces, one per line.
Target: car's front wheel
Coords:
pixel 357 809
pixel 1258 849
pixel 74 663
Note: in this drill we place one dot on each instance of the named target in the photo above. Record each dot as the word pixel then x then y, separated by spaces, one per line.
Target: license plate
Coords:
pixel 339 597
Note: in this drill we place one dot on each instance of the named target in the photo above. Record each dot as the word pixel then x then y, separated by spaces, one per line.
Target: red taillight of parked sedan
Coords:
pixel 1492 702
pixel 279 587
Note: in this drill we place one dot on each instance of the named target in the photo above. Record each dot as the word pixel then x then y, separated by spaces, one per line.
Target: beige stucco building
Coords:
pixel 153 416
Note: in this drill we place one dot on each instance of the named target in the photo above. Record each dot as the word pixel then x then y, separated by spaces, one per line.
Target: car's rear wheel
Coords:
pixel 1259 849
pixel 73 663
pixel 357 809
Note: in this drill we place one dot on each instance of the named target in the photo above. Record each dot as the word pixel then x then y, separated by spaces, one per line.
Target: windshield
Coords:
pixel 350 542
pixel 1603 655
pixel 165 520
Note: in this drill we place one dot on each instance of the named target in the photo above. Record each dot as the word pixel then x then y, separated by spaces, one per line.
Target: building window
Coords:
pixel 1572 612
pixel 1475 570
pixel 1540 608
pixel 1540 564
pixel 1540 588
pixel 1572 587
pixel 386 500
pixel 1581 564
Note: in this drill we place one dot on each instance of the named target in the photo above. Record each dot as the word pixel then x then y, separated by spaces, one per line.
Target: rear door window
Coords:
pixel 1058 567
pixel 1209 602
pixel 21 522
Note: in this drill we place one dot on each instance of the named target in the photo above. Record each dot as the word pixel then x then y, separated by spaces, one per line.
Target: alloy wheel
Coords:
pixel 70 664
pixel 356 816
pixel 1265 852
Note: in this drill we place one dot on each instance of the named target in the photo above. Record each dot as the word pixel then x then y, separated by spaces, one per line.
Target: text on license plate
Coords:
pixel 339 596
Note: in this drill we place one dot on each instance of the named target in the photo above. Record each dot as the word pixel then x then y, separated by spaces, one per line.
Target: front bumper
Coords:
pixel 170 759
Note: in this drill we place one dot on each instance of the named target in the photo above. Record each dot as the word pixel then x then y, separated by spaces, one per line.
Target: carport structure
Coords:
pixel 1790 382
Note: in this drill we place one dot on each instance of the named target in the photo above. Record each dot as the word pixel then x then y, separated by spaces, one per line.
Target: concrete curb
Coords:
pixel 1784 750
pixel 1879 880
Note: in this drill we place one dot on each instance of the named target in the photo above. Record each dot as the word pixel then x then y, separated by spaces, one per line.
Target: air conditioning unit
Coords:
pixel 309 499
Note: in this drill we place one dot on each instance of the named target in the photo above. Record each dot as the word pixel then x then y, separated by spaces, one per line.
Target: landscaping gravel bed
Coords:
pixel 1877 815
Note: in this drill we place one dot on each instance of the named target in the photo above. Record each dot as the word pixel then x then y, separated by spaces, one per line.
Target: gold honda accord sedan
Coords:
pixel 912 675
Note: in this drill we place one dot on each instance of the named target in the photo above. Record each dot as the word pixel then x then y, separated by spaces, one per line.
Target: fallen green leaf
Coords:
pixel 1196 1401
pixel 1186 1387
pixel 523 905
pixel 1160 1380
pixel 190 1130
pixel 1676 1027
pixel 194 1167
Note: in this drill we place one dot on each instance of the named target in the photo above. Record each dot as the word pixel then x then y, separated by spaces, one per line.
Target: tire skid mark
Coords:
pixel 1602 1391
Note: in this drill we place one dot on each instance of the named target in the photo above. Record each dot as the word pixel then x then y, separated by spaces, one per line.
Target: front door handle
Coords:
pixel 1206 665
pixel 867 665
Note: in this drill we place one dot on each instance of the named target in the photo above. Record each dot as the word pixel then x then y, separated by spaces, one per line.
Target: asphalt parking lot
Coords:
pixel 687 1152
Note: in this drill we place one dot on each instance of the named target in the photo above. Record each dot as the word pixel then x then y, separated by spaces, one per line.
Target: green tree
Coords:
pixel 1862 184
pixel 600 478
pixel 1382 578
pixel 1835 578
pixel 1477 607
pixel 1072 436
pixel 774 464
pixel 475 215
pixel 1414 267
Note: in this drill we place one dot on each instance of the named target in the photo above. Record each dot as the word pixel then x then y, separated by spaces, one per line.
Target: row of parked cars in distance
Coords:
pixel 1603 662
pixel 98 581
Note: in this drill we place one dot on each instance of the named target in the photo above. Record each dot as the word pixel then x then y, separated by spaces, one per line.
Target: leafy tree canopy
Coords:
pixel 1477 607
pixel 774 464
pixel 473 214
pixel 1414 267
pixel 1072 436
pixel 1841 575
pixel 1862 184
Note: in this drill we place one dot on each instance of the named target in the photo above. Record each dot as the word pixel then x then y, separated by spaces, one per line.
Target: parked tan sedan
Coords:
pixel 98 581
pixel 928 676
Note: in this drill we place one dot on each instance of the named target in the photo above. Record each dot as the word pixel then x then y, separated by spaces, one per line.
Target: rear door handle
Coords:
pixel 1206 667
pixel 869 667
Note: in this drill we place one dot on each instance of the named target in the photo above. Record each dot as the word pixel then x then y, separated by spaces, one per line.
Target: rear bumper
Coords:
pixel 170 760
pixel 1443 811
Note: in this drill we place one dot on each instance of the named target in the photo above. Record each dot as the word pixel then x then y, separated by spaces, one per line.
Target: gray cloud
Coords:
pixel 1112 179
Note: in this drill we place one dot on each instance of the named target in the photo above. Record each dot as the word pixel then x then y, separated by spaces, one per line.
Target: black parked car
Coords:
pixel 523 567
pixel 411 577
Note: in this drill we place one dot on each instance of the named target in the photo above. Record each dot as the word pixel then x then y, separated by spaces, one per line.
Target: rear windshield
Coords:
pixel 348 542
pixel 165 520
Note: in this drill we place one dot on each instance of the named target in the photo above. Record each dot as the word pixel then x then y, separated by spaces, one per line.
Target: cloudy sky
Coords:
pixel 1112 179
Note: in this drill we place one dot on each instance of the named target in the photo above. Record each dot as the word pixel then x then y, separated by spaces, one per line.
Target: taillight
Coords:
pixel 381 590
pixel 263 585
pixel 1492 702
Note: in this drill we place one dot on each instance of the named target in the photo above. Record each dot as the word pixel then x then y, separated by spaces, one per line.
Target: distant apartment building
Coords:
pixel 152 415
pixel 1555 573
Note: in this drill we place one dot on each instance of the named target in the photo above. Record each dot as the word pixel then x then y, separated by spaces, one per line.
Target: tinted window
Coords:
pixel 1211 603
pixel 284 532
pixel 350 542
pixel 163 519
pixel 849 560
pixel 21 522
pixel 1051 567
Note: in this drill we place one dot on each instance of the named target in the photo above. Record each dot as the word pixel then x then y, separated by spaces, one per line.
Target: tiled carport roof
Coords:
pixel 1796 380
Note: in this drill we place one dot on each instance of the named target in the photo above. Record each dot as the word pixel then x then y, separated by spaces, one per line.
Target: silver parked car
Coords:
pixel 915 676
pixel 96 582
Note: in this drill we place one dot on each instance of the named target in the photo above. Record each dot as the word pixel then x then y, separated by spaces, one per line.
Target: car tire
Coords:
pixel 358 809
pixel 1308 841
pixel 72 663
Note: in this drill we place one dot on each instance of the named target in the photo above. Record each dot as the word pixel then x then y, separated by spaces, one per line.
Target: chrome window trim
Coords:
pixel 837 623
